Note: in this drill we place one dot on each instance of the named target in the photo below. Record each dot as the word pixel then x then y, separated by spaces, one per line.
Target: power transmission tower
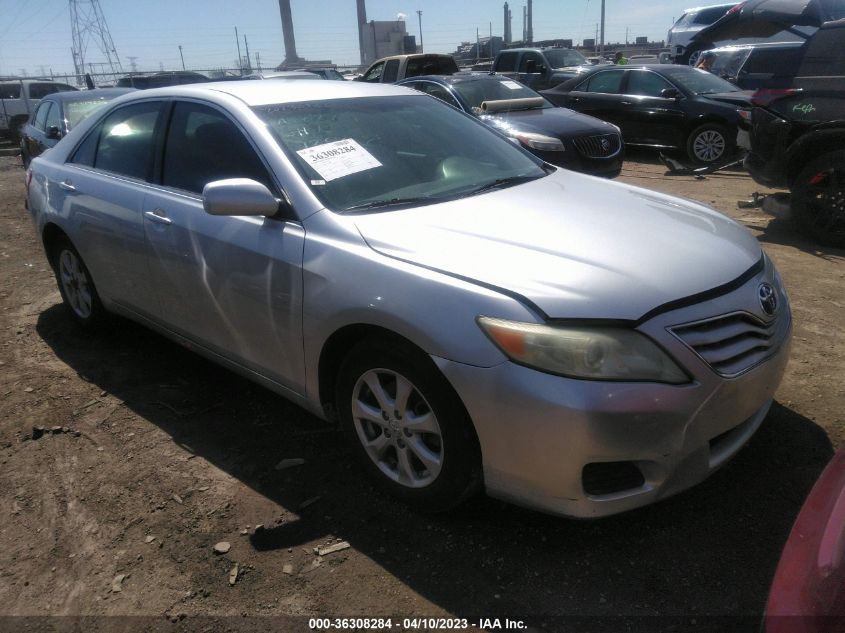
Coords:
pixel 88 25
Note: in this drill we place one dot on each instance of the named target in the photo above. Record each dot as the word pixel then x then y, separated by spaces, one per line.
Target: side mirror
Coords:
pixel 240 196
pixel 669 93
pixel 542 70
pixel 54 132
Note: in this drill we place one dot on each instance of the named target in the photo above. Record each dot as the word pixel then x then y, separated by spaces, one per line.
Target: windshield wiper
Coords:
pixel 501 183
pixel 388 202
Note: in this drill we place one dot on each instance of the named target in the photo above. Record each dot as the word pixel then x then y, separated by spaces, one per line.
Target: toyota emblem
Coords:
pixel 768 298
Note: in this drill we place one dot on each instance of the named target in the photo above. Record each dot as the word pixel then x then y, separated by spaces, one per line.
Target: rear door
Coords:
pixel 230 284
pixel 100 190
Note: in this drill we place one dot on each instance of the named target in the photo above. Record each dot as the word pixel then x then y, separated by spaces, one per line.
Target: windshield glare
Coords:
pixel 476 92
pixel 563 57
pixel 354 152
pixel 699 81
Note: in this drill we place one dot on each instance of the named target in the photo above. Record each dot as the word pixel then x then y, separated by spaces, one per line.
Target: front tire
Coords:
pixel 710 143
pixel 818 199
pixel 76 286
pixel 407 425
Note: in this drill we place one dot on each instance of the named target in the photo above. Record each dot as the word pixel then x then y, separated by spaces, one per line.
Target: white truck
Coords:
pixel 18 99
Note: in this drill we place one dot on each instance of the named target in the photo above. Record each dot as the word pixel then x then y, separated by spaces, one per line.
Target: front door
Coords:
pixel 652 119
pixel 231 284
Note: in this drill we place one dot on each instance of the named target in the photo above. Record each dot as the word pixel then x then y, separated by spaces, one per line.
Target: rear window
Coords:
pixel 709 15
pixel 563 57
pixel 825 55
pixel 391 71
pixel 75 111
pixel 773 61
pixel 431 66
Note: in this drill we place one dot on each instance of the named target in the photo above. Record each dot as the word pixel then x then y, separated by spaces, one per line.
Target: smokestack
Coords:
pixel 287 31
pixel 530 27
pixel 506 34
pixel 362 21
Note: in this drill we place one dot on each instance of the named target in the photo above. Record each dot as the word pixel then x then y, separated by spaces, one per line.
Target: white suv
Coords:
pixel 690 23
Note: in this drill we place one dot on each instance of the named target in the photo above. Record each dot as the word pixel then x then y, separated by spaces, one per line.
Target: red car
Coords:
pixel 808 591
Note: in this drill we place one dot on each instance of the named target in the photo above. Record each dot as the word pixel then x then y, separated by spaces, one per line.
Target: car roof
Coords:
pixel 258 93
pixel 457 78
pixel 740 47
pixel 712 6
pixel 281 74
pixel 88 95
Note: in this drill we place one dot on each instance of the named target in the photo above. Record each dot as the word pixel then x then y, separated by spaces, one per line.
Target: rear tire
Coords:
pixel 818 199
pixel 710 143
pixel 407 425
pixel 76 286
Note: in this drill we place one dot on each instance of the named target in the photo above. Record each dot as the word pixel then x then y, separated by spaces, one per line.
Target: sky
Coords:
pixel 35 35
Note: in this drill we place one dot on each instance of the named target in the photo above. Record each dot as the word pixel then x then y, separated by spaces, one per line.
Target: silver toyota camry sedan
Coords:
pixel 473 317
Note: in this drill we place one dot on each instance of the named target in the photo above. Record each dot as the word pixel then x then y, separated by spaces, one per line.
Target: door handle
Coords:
pixel 625 102
pixel 157 215
pixel 67 185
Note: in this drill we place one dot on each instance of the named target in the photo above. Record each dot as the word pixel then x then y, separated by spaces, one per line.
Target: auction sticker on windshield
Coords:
pixel 338 159
pixel 512 85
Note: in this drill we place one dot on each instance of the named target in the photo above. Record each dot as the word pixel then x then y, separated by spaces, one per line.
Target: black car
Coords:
pixel 557 135
pixel 161 79
pixel 57 114
pixel 662 106
pixel 798 127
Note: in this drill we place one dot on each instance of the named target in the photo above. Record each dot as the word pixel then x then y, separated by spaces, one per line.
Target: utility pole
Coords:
pixel 133 66
pixel 477 46
pixel 626 36
pixel 182 57
pixel 240 59
pixel 596 41
pixel 419 16
pixel 258 60
pixel 248 58
pixel 601 44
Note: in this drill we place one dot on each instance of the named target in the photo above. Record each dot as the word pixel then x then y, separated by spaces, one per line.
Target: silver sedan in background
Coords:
pixel 473 317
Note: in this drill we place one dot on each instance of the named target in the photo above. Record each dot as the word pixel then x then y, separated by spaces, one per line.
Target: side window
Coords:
pixel 374 74
pixel 507 63
pixel 202 146
pixel 41 115
pixel 54 117
pixel 391 71
pixel 446 66
pixel 127 140
pixel 645 83
pixel 10 91
pixel 39 91
pixel 608 82
pixel 530 63
pixel 87 149
pixel 438 91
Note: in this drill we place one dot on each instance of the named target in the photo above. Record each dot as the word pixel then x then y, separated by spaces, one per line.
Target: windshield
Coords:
pixel 382 152
pixel 75 111
pixel 476 92
pixel 563 57
pixel 698 81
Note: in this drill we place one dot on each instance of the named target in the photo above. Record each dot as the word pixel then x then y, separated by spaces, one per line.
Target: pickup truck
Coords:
pixel 392 69
pixel 18 99
pixel 539 68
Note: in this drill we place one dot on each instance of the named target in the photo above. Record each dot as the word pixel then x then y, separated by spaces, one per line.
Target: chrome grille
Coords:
pixel 600 146
pixel 734 343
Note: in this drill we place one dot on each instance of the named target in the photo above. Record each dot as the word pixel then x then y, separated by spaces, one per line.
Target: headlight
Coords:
pixel 600 353
pixel 539 141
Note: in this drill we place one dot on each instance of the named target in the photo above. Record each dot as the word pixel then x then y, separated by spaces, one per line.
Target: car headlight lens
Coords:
pixel 592 353
pixel 539 141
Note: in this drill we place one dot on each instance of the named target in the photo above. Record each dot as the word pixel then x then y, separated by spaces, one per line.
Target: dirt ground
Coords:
pixel 160 455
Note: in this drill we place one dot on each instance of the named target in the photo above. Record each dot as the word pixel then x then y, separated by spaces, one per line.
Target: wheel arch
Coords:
pixel 811 146
pixel 51 235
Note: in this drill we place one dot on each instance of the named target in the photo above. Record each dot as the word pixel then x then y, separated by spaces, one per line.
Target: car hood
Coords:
pixel 575 246
pixel 765 18
pixel 559 122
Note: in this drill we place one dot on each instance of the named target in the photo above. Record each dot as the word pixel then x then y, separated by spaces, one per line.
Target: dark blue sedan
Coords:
pixel 559 136
pixel 57 114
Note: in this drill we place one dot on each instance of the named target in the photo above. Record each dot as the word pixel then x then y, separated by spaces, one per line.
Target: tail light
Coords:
pixel 764 96
pixel 735 9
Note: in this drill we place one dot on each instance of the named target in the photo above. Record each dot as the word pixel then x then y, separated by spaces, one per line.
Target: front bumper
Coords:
pixel 539 432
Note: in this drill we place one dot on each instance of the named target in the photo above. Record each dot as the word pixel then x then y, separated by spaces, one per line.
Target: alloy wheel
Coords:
pixel 75 284
pixel 709 146
pixel 824 198
pixel 397 428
